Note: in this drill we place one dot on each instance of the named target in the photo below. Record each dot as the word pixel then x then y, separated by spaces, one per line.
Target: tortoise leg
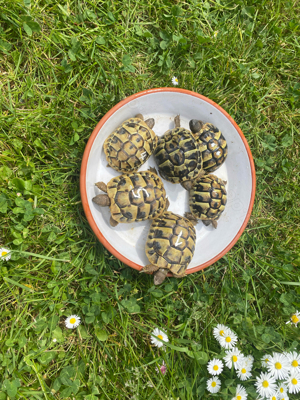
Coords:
pixel 102 200
pixel 212 222
pixel 191 218
pixel 140 116
pixel 150 122
pixel 102 186
pixel 177 121
pixel 187 185
pixel 195 125
pixel 149 268
pixel 113 222
pixel 160 276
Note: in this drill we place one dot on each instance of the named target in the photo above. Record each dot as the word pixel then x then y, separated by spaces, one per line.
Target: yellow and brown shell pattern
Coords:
pixel 130 145
pixel 208 197
pixel 136 197
pixel 178 156
pixel 213 147
pixel 171 243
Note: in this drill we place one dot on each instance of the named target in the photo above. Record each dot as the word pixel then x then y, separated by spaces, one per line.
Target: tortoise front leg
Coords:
pixel 149 268
pixel 191 218
pixel 212 222
pixel 102 186
pixel 150 121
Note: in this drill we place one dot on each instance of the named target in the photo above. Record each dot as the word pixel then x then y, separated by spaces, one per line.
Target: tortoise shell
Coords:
pixel 208 197
pixel 178 156
pixel 130 145
pixel 171 243
pixel 213 147
pixel 136 197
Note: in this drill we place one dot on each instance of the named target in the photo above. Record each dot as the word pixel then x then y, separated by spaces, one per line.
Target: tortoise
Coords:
pixel 207 201
pixel 178 156
pixel 170 246
pixel 133 197
pixel 213 145
pixel 131 144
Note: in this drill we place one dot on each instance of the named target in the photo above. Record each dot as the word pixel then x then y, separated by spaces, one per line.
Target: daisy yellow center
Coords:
pixel 234 358
pixel 216 368
pixel 295 319
pixel 221 333
pixel 273 398
pixel 243 371
pixel 278 365
pixel 265 384
pixel 266 360
pixel 72 320
pixel 294 381
pixel 176 80
pixel 228 339
pixel 3 253
pixel 295 363
pixel 238 397
pixel 281 390
pixel 160 337
pixel 213 384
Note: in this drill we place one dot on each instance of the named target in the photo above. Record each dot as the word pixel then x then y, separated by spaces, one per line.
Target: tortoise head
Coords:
pixel 160 276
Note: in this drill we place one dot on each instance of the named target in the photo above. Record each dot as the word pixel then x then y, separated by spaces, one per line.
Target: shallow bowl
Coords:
pixel 127 241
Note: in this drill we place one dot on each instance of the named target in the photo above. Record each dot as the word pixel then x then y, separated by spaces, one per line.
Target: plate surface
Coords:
pixel 127 241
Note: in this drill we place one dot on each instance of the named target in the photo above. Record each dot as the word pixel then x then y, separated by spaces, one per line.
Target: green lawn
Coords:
pixel 63 65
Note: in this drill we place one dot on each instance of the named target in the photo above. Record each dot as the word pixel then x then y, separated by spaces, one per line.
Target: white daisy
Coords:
pixel 213 384
pixel 294 360
pixel 220 330
pixel 243 371
pixel 281 389
pixel 72 322
pixel 240 393
pixel 265 385
pixel 295 318
pixel 174 80
pixel 278 366
pixel 273 397
pixel 293 382
pixel 265 360
pixel 161 335
pixel 215 367
pixel 232 357
pixel 228 341
pixel 4 254
pixel 282 397
pixel 249 360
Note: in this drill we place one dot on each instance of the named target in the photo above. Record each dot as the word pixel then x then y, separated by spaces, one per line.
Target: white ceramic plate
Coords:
pixel 127 241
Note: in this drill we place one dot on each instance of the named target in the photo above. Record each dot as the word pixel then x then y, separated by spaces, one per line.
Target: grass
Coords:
pixel 63 65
